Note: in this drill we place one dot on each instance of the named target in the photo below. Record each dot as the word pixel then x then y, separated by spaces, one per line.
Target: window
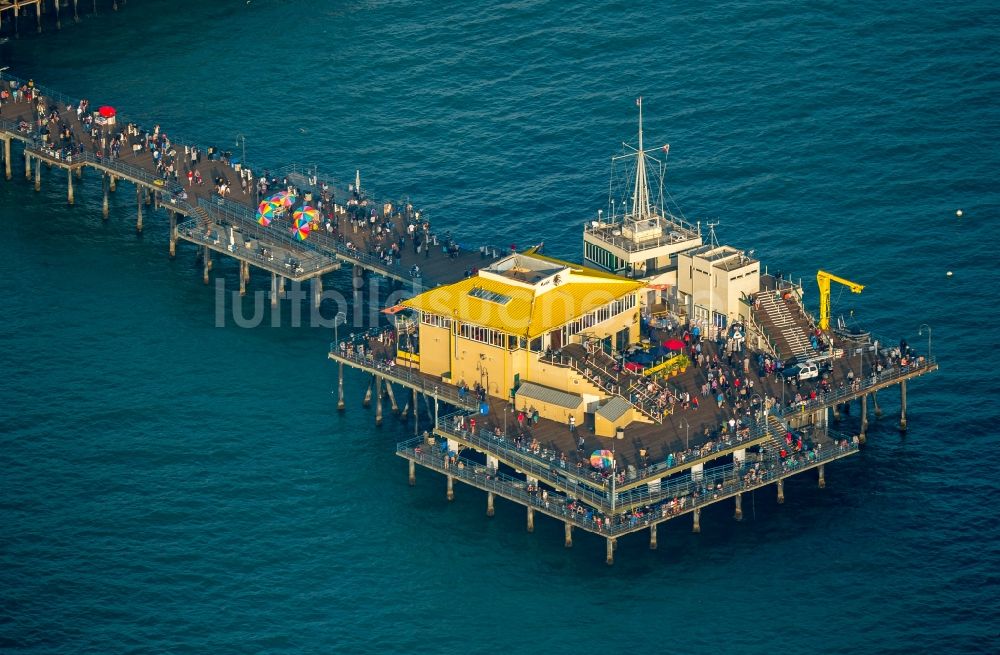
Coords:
pixel 435 320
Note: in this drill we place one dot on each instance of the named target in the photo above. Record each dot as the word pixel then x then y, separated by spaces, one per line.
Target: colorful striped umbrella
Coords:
pixel 284 198
pixel 301 230
pixel 602 459
pixel 307 213
pixel 267 211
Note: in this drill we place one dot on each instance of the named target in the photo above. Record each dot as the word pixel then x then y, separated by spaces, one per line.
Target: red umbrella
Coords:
pixel 106 111
pixel 673 344
pixel 633 366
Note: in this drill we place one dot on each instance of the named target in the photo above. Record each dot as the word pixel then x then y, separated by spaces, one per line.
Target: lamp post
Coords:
pixel 921 333
pixel 619 434
pixel 242 140
pixel 338 320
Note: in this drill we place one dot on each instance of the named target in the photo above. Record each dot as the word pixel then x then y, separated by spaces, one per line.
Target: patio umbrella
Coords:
pixel 284 198
pixel 106 111
pixel 307 213
pixel 301 231
pixel 633 366
pixel 267 211
pixel 602 459
pixel 673 344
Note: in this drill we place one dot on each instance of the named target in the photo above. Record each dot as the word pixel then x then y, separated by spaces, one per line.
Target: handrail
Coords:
pixel 672 499
pixel 403 374
pixel 861 384
pixel 550 469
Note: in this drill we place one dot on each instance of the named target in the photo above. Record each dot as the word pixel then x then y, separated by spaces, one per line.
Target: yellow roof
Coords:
pixel 515 309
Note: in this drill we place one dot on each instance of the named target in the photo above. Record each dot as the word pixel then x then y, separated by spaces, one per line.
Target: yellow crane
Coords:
pixel 823 279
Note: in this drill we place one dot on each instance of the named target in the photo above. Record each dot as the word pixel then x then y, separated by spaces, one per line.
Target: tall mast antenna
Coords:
pixel 640 195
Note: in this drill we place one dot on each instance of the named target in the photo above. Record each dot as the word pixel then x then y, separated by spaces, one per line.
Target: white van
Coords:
pixel 808 370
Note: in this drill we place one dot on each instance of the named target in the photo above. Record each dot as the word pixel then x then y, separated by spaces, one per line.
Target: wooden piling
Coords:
pixel 822 476
pixel 274 292
pixel 609 558
pixel 567 534
pixel 340 388
pixel 652 536
pixel 392 397
pixel 38 174
pixel 206 264
pixel 781 490
pixel 138 226
pixel 451 487
pixel 173 231
pixel 378 400
pixel 489 504
pixel 6 159
pixel 413 473
pixel 531 519
pixel 317 291
pixel 368 394
pixel 696 516
pixel 738 515
pixel 69 186
pixel 902 405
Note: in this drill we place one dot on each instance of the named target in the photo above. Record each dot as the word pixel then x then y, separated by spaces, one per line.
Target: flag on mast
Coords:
pixel 666 148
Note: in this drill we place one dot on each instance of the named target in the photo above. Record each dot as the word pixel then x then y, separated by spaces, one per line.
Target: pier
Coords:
pixel 520 372
pixel 378 238
pixel 15 12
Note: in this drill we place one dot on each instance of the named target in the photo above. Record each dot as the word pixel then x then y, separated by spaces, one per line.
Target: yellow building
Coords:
pixel 496 328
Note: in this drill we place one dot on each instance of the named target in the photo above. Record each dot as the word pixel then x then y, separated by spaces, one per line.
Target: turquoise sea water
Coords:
pixel 170 486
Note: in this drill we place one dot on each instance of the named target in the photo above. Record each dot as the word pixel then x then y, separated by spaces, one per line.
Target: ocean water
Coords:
pixel 171 486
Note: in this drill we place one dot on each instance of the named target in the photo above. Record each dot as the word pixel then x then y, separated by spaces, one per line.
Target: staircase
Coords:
pixel 789 331
pixel 599 371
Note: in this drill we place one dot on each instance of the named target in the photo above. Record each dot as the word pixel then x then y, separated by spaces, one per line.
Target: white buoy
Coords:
pixel 959 213
pixel 949 273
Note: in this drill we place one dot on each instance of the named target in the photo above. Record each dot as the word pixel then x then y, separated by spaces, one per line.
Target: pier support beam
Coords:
pixel 76 13
pixel 781 490
pixel 367 402
pixel 696 525
pixel 317 291
pixel 6 159
pixel 392 397
pixel 822 476
pixel 243 276
pixel 378 400
pixel 489 504
pixel 413 472
pixel 864 416
pixel 652 536
pixel 105 209
pixel 58 22
pixel 274 294
pixel 138 225
pixel 531 519
pixel 416 414
pixel 878 410
pixel 38 174
pixel 27 166
pixel 206 263
pixel 69 186
pixel 340 390
pixel 451 487
pixel 114 184
pixel 738 515
pixel 568 538
pixel 609 558
pixel 902 405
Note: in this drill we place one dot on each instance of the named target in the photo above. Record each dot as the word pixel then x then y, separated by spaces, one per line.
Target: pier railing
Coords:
pixel 671 499
pixel 861 384
pixel 403 375
pixel 546 464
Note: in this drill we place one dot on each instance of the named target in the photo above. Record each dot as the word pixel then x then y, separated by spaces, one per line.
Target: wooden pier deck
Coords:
pixel 63 142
